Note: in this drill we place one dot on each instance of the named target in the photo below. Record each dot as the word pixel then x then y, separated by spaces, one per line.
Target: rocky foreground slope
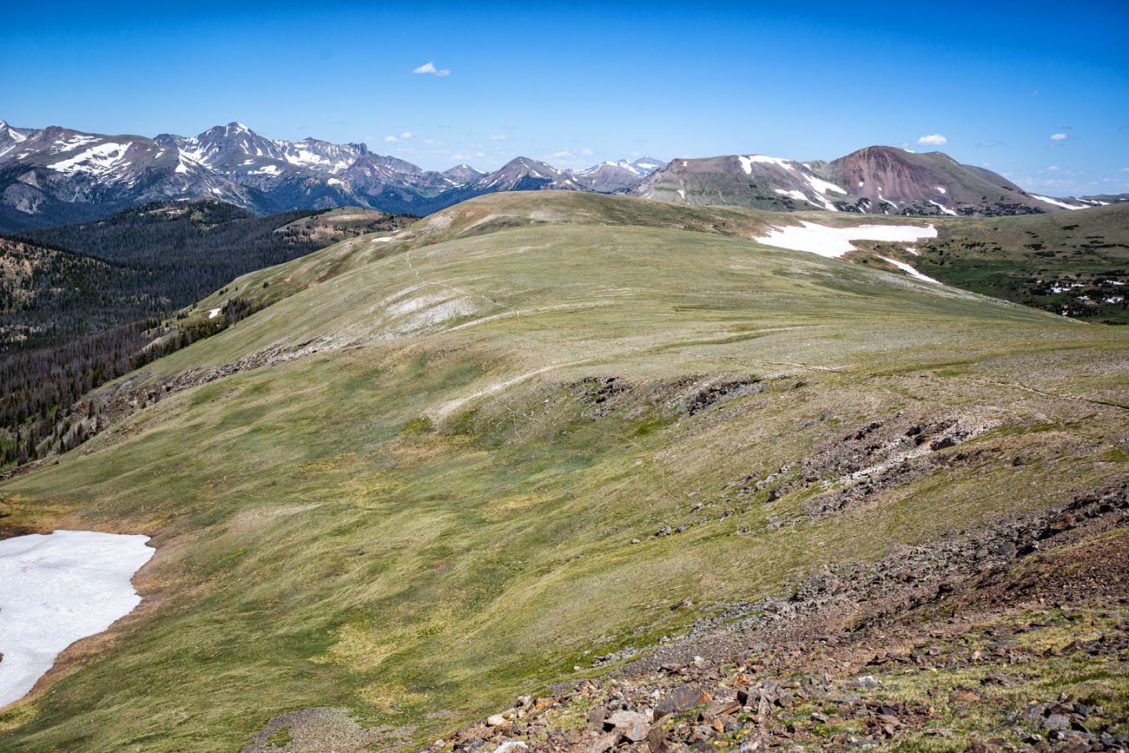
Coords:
pixel 1013 638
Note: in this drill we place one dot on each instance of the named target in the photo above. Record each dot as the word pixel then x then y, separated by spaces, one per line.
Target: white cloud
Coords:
pixel 1059 137
pixel 500 137
pixel 933 139
pixel 392 138
pixel 429 69
pixel 573 153
pixel 467 155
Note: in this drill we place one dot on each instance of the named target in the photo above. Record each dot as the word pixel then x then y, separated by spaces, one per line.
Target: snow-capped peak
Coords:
pixel 641 167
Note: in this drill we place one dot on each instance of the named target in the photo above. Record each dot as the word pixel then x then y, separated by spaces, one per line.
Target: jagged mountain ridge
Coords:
pixel 57 175
pixel 872 180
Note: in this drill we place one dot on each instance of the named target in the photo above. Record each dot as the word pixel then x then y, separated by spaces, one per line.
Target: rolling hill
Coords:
pixel 535 435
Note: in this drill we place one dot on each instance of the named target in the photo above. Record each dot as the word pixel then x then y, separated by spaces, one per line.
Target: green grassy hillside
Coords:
pixel 460 464
pixel 1073 263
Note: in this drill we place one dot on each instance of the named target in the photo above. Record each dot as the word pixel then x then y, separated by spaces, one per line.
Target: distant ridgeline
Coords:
pixel 51 176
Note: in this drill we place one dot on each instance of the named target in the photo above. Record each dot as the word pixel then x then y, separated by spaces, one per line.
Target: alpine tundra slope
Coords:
pixel 542 437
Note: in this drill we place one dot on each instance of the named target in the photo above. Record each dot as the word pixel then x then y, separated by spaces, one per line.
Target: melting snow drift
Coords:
pixel 909 270
pixel 833 242
pixel 56 589
pixel 1059 202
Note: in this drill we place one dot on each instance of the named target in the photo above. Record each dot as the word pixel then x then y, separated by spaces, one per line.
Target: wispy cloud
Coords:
pixel 933 139
pixel 1059 137
pixel 573 153
pixel 429 69
pixel 988 143
pixel 500 137
pixel 393 138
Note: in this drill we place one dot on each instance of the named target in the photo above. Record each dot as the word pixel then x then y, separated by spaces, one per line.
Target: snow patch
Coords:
pixel 833 242
pixel 74 142
pixel 797 195
pixel 943 208
pixel 95 160
pixel 56 589
pixel 1058 202
pixel 909 270
pixel 823 186
pixel 215 312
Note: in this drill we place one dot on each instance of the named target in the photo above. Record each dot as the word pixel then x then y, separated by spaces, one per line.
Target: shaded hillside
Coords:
pixel 191 248
pixel 72 319
pixel 47 293
pixel 501 450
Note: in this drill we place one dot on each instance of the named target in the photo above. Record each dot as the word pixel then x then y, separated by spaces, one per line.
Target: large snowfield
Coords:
pixel 833 242
pixel 56 589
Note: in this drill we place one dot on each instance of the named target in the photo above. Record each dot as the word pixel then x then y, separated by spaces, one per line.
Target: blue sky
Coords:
pixel 1038 92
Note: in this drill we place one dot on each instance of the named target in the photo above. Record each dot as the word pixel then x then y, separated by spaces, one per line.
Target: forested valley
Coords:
pixel 83 304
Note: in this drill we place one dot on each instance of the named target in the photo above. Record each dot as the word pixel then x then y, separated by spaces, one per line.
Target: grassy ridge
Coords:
pixel 436 509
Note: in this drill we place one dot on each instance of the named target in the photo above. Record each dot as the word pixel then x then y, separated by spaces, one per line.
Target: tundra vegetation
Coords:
pixel 526 441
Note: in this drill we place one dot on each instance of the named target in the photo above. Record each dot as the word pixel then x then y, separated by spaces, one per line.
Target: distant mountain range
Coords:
pixel 874 180
pixel 54 175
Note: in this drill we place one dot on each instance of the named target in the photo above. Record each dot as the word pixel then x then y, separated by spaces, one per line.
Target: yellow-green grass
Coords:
pixel 427 515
